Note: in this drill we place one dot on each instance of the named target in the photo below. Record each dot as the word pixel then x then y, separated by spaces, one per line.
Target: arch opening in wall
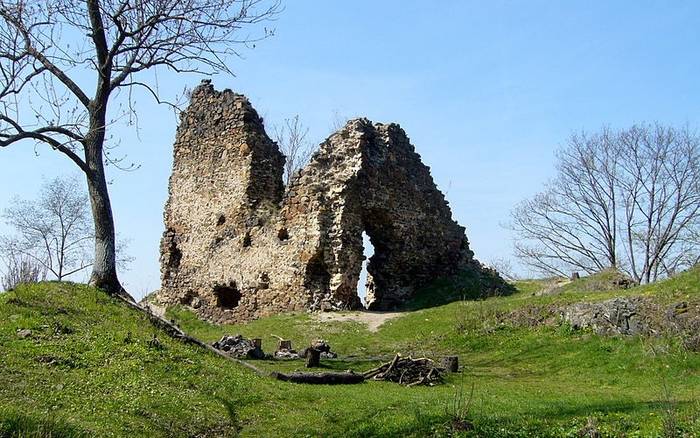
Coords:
pixel 381 235
pixel 362 283
pixel 227 296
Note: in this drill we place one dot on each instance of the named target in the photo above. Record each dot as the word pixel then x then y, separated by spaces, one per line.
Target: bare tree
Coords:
pixel 20 269
pixel 55 231
pixel 626 199
pixel 660 182
pixel 291 139
pixel 51 51
pixel 504 268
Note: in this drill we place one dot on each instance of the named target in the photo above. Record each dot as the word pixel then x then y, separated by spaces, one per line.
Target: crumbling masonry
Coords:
pixel 239 245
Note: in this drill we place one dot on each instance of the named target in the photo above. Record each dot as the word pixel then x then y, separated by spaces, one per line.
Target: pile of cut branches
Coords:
pixel 407 371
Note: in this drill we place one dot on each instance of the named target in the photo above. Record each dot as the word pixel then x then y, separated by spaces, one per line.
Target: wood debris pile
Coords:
pixel 407 371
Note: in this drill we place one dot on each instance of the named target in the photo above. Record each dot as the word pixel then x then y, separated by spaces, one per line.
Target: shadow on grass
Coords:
pixel 232 414
pixel 15 425
pixel 555 421
pixel 566 411
pixel 473 283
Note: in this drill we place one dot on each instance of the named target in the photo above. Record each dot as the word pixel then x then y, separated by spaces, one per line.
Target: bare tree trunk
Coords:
pixel 104 269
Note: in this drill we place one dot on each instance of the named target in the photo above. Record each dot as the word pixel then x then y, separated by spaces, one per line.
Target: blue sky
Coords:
pixel 485 90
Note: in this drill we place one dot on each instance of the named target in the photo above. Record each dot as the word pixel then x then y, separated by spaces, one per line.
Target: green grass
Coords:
pixel 90 368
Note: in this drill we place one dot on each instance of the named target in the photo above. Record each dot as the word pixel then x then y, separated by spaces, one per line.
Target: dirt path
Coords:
pixel 373 319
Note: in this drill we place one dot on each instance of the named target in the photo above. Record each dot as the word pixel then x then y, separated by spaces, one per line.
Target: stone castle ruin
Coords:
pixel 239 244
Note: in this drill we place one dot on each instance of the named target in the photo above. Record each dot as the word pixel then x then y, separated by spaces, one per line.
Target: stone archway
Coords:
pixel 376 183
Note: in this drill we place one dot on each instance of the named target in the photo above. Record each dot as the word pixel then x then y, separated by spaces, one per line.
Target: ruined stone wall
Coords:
pixel 238 246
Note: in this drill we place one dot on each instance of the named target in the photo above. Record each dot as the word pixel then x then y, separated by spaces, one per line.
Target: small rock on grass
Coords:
pixel 24 333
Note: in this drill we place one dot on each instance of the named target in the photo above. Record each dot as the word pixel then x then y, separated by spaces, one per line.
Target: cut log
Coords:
pixel 313 358
pixel 450 363
pixel 321 378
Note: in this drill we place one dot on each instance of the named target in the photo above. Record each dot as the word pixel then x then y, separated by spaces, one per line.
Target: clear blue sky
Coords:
pixel 485 90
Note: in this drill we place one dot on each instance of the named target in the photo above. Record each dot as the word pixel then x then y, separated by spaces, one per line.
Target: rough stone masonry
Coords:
pixel 239 245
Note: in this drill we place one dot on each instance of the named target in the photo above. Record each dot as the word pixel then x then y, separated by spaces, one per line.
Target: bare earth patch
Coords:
pixel 373 319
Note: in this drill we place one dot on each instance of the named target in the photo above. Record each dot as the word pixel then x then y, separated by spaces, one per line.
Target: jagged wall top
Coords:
pixel 219 123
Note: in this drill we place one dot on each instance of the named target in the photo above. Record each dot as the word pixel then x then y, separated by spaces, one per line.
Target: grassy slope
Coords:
pixel 106 379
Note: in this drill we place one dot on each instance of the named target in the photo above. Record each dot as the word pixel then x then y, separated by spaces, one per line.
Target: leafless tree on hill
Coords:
pixel 54 232
pixel 504 268
pixel 63 63
pixel 292 141
pixel 20 269
pixel 660 181
pixel 627 199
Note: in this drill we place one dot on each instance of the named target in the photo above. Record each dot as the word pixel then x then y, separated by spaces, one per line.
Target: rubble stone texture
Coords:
pixel 238 246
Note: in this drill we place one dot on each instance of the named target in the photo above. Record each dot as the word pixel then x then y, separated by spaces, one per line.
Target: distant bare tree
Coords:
pixel 627 199
pixel 504 268
pixel 52 50
pixel 55 231
pixel 291 139
pixel 660 189
pixel 20 269
pixel 572 224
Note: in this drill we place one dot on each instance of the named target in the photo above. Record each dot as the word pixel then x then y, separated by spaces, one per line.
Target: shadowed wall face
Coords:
pixel 232 228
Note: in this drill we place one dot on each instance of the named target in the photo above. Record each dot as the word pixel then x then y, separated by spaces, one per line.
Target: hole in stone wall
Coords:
pixel 263 281
pixel 175 257
pixel 317 276
pixel 247 241
pixel 367 252
pixel 173 253
pixel 227 297
pixel 283 234
pixel 221 220
pixel 187 298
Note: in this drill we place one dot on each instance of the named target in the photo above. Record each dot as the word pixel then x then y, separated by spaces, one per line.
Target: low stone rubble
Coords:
pixel 240 347
pixel 323 346
pixel 284 351
pixel 286 354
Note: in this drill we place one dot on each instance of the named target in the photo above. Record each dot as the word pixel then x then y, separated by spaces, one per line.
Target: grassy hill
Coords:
pixel 92 367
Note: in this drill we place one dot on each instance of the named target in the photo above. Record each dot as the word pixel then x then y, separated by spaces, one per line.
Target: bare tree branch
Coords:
pixel 628 199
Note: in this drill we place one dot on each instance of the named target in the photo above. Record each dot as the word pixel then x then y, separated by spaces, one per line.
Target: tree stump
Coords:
pixel 575 276
pixel 450 363
pixel 313 358
pixel 284 344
